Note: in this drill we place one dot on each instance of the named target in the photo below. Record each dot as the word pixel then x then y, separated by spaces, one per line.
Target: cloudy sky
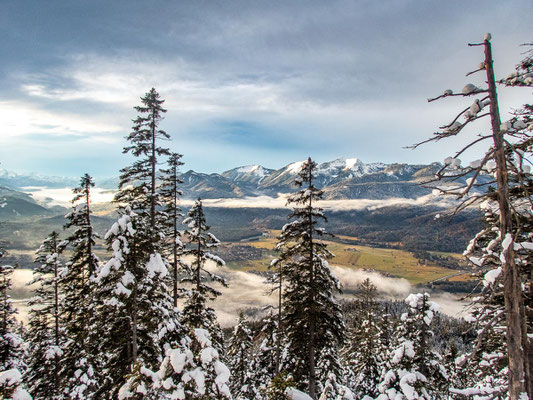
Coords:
pixel 245 82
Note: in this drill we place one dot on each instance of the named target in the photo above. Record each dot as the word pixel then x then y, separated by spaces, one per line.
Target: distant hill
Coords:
pixel 15 205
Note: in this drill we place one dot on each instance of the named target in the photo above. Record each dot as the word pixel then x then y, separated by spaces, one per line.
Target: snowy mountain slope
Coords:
pixel 211 186
pixel 15 180
pixel 252 174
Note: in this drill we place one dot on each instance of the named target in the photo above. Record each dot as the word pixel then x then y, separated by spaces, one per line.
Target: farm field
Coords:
pixel 392 262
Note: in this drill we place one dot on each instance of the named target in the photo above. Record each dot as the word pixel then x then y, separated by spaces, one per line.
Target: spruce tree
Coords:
pixel 194 370
pixel 312 318
pixel 415 370
pixel 196 313
pixel 138 184
pixel 170 194
pixel 11 344
pixel 240 359
pixel 46 332
pixel 365 352
pixel 78 359
pixel 263 367
pixel 138 320
pixel 11 385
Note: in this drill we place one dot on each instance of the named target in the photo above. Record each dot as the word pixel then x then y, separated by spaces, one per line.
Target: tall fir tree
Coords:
pixel 138 182
pixel 137 317
pixel 78 361
pixel 170 194
pixel 46 330
pixel 196 313
pixel 312 318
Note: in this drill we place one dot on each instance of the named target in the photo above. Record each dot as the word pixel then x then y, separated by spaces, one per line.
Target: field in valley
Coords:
pixel 391 262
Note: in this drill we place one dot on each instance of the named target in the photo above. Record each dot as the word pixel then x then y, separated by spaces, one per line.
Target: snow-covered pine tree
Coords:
pixel 11 344
pixel 138 319
pixel 365 352
pixel 263 364
pixel 415 370
pixel 486 365
pixel 170 194
pixel 193 370
pixel 138 184
pixel 482 372
pixel 501 158
pixel 312 319
pixel 46 333
pixel 11 385
pixel 240 359
pixel 196 314
pixel 78 361
pixel 275 280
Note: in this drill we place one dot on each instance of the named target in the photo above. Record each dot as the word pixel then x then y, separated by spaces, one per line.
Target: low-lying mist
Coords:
pixel 249 291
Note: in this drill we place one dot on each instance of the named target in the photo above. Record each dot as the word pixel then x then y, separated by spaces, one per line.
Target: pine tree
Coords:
pixel 194 370
pixel 138 185
pixel 415 370
pixel 262 368
pixel 11 344
pixel 365 353
pixel 196 313
pixel 312 318
pixel 483 370
pixel 78 353
pixel 170 194
pixel 11 385
pixel 46 334
pixel 240 357
pixel 138 320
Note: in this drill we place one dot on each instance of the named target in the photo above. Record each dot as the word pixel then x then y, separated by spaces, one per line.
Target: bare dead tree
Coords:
pixel 505 167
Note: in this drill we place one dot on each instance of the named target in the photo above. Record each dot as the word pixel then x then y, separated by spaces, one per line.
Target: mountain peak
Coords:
pixel 252 169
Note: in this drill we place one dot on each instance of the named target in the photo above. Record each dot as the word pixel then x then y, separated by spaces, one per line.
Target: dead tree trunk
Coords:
pixel 516 326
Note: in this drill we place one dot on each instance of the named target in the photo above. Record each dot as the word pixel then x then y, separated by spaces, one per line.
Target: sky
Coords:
pixel 244 82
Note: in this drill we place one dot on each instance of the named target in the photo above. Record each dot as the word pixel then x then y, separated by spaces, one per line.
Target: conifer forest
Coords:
pixel 139 323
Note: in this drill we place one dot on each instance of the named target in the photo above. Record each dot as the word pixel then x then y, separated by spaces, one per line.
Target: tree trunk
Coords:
pixel 154 163
pixel 89 231
pixel 278 336
pixel 175 237
pixel 56 320
pixel 312 322
pixel 134 345
pixel 516 327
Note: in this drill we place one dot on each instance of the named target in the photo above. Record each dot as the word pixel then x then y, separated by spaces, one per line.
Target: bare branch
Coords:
pixel 477 70
pixel 457 94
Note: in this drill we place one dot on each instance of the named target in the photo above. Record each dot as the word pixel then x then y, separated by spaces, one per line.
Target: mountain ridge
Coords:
pixel 342 178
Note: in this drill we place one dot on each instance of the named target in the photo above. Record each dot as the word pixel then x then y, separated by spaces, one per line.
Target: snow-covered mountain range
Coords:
pixel 343 178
